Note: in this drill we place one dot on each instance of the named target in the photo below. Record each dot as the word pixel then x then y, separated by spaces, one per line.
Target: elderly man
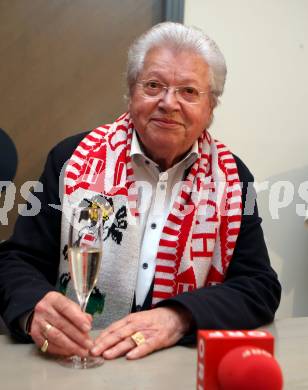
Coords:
pixel 180 254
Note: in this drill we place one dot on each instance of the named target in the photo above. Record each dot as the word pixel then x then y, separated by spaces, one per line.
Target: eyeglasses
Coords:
pixel 155 90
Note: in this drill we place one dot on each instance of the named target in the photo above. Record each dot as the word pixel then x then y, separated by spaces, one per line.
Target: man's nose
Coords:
pixel 169 100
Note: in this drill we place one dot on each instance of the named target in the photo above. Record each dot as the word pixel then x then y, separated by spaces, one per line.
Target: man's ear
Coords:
pixel 129 102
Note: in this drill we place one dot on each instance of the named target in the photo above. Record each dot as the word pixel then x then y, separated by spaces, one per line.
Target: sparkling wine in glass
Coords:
pixel 85 255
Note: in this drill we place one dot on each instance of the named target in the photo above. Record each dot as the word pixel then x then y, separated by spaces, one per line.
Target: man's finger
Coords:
pixel 66 348
pixel 119 349
pixel 112 336
pixel 60 325
pixel 108 340
pixel 150 345
pixel 71 311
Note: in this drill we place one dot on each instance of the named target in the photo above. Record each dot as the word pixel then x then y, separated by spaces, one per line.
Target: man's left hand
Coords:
pixel 161 327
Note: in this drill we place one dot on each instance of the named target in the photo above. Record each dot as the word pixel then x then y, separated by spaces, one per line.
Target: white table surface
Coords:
pixel 23 367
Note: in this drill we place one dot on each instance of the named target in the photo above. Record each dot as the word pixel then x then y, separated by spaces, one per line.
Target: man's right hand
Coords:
pixel 69 331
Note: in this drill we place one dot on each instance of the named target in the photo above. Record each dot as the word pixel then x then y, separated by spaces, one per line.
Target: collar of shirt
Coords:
pixel 139 157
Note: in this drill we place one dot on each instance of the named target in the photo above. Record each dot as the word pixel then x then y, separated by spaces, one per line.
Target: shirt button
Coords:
pixel 145 265
pixel 162 186
pixel 138 308
pixel 153 225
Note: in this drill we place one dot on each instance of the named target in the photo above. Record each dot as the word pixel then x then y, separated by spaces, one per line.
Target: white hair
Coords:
pixel 178 37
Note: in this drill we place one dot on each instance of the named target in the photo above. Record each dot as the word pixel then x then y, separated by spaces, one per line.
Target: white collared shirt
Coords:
pixel 157 192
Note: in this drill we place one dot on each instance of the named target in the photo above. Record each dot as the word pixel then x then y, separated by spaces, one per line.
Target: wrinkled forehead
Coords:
pixel 180 64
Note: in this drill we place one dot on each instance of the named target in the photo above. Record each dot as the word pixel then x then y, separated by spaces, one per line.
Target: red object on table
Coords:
pixel 250 368
pixel 214 345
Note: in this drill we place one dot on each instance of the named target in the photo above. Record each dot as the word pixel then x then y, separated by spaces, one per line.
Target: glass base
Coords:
pixel 81 363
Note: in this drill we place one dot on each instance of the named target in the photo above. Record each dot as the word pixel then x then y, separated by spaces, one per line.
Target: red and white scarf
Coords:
pixel 200 233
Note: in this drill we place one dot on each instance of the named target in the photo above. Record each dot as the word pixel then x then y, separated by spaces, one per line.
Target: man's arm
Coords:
pixel 29 259
pixel 250 294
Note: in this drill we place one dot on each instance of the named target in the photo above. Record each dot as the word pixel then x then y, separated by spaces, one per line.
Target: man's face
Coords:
pixel 166 127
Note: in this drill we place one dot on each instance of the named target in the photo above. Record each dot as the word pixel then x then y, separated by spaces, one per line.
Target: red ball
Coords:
pixel 250 368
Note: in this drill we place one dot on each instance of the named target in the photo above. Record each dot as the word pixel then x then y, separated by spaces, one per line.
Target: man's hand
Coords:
pixel 161 327
pixel 69 334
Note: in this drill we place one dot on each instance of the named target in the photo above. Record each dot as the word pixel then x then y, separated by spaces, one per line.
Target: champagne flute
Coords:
pixel 85 254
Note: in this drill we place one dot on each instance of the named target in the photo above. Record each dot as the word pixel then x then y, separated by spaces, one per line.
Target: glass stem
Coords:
pixel 84 302
pixel 83 306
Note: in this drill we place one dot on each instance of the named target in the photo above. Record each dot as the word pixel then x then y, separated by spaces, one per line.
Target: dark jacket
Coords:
pixel 29 262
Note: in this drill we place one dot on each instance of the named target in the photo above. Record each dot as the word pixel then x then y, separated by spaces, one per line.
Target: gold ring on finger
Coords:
pixel 44 347
pixel 138 338
pixel 47 329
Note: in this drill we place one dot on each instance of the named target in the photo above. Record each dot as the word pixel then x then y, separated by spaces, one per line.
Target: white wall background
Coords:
pixel 263 119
